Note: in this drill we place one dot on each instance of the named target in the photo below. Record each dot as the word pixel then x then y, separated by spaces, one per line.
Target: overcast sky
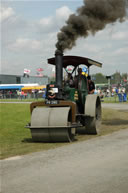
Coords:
pixel 29 33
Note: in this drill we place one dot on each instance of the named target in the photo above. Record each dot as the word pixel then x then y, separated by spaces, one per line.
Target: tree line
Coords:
pixel 117 78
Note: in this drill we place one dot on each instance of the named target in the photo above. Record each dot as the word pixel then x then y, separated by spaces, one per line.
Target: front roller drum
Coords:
pixel 51 124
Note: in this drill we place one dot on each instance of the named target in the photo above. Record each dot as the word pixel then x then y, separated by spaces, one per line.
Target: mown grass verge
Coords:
pixel 16 140
pixel 114 99
pixel 21 100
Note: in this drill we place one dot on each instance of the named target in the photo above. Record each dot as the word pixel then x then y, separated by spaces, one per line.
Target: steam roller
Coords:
pixel 68 107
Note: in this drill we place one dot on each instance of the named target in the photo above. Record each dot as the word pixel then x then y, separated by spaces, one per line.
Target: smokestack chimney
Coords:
pixel 59 68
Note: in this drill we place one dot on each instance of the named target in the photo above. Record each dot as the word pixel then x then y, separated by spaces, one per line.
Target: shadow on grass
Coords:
pixel 30 140
pixel 27 140
pixel 115 122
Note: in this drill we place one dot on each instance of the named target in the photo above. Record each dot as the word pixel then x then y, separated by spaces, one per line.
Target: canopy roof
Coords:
pixel 75 61
pixel 10 87
pixel 34 87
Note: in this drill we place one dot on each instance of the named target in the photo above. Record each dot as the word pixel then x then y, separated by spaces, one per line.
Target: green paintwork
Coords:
pixel 77 95
pixel 83 90
pixel 70 93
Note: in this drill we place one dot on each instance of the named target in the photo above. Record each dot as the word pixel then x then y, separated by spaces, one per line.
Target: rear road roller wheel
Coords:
pixel 92 114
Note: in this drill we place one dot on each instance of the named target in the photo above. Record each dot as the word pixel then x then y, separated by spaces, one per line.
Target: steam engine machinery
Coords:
pixel 67 109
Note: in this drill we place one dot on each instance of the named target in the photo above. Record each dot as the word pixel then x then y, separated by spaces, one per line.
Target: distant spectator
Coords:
pixel 36 94
pixel 18 94
pixel 116 90
pixel 25 95
pixel 119 90
pixel 108 92
pixel 22 94
pixel 99 91
pixel 123 90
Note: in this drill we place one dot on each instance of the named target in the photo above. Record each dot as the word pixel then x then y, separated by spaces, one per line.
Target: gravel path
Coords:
pixel 116 106
pixel 99 165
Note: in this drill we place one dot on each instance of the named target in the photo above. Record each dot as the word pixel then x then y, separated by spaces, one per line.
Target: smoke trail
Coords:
pixel 93 16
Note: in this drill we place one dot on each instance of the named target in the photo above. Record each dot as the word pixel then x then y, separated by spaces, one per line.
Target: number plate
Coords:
pixel 52 102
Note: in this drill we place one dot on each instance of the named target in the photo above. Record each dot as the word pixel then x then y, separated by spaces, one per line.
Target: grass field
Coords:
pixel 16 140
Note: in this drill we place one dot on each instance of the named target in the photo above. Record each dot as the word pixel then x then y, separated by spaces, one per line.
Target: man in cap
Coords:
pixel 78 77
pixel 91 85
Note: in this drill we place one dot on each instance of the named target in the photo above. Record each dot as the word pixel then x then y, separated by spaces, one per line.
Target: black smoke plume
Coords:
pixel 93 16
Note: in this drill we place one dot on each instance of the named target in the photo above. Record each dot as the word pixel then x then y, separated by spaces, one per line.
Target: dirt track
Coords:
pixel 99 165
pixel 116 106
